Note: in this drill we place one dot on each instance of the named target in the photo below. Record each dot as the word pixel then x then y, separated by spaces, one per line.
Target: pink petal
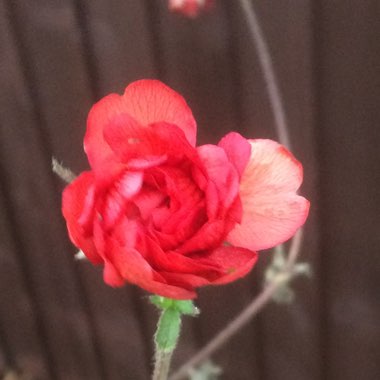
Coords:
pixel 151 101
pixel 146 162
pixel 147 201
pixel 111 275
pixel 272 211
pixel 131 141
pixel 222 174
pixel 185 280
pixel 77 208
pixel 208 237
pixel 108 172
pixel 235 262
pixel 126 232
pixel 146 101
pixel 179 226
pixel 232 263
pixel 96 148
pixel 182 213
pixel 118 197
pixel 238 150
pixel 135 269
pixel 175 262
pixel 169 291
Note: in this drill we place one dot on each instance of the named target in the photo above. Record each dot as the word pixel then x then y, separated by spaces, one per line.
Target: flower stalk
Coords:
pixel 166 338
pixel 168 331
pixel 162 365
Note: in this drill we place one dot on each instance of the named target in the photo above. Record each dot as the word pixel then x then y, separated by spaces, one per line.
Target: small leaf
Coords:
pixel 182 306
pixel 186 307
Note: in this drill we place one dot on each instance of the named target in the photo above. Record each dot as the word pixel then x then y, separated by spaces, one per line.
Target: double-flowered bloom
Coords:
pixel 161 213
pixel 190 8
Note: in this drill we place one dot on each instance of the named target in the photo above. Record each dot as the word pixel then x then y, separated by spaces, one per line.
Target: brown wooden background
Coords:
pixel 57 319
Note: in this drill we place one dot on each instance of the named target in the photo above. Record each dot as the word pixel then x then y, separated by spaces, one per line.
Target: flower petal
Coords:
pixel 77 206
pixel 236 263
pixel 150 101
pixel 118 197
pixel 208 237
pixel 171 261
pixel 125 262
pixel 272 211
pixel 190 8
pixel 238 150
pixel 146 101
pixel 130 140
pixel 135 269
pixel 111 275
pixel 223 175
pixel 185 280
pixel 232 263
pixel 96 148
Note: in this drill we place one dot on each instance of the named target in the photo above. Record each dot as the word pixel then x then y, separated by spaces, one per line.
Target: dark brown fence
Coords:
pixel 57 319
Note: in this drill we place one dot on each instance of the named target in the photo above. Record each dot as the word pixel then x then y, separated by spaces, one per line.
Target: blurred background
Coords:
pixel 57 57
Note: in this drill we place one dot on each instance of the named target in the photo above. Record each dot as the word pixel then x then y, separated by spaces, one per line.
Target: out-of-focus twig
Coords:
pixel 65 174
pixel 266 64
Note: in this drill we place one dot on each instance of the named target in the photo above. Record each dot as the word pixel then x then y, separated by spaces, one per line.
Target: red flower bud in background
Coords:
pixel 155 209
pixel 190 8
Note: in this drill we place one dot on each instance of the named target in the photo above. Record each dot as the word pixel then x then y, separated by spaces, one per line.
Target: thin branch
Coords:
pixel 294 249
pixel 268 72
pixel 274 95
pixel 65 174
pixel 162 365
pixel 283 135
pixel 242 319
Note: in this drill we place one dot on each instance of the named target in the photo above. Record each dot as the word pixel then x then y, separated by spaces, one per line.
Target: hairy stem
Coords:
pixel 166 337
pixel 162 365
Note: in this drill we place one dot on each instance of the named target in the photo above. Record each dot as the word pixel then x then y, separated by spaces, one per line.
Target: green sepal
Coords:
pixel 161 302
pixel 182 306
pixel 186 307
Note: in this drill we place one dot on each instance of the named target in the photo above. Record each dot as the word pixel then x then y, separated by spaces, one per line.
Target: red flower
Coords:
pixel 155 210
pixel 190 8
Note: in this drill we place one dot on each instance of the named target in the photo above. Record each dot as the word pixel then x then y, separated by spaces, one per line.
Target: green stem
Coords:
pixel 168 330
pixel 162 365
pixel 166 339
